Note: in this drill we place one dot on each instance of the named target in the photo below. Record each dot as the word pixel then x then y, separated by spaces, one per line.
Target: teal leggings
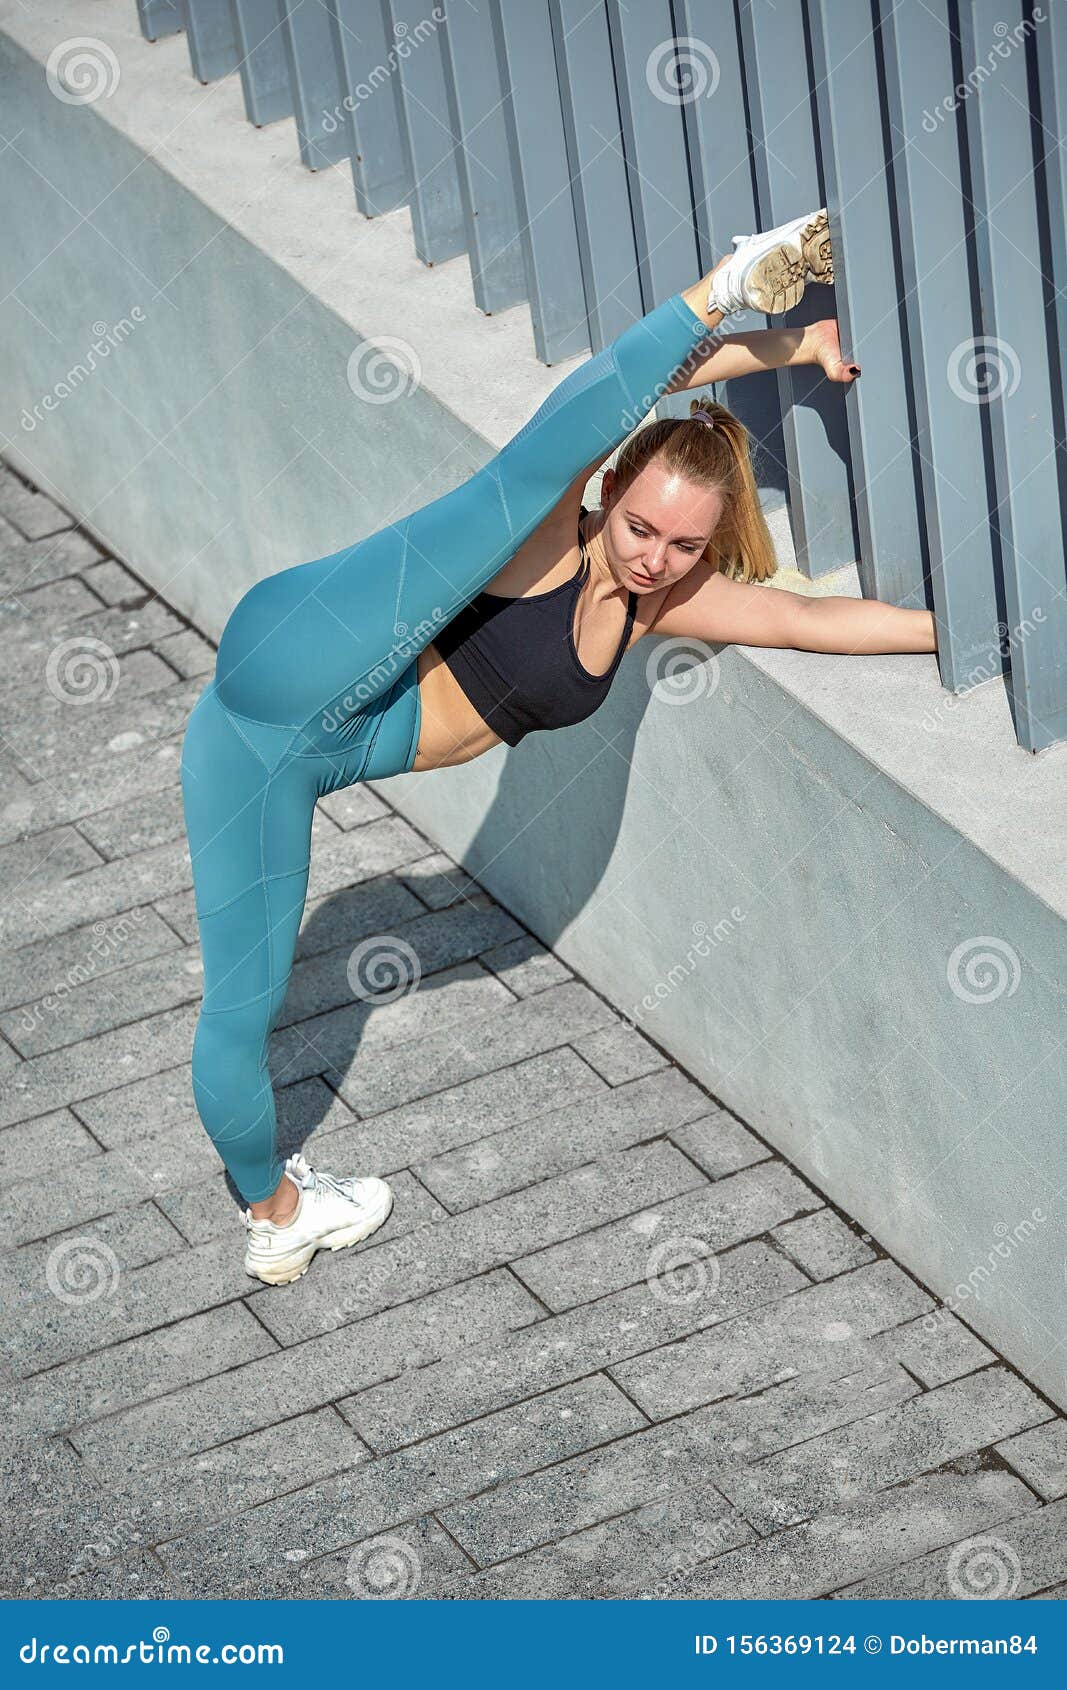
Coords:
pixel 315 688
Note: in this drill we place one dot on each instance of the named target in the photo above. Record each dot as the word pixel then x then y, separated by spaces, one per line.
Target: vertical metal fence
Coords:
pixel 591 159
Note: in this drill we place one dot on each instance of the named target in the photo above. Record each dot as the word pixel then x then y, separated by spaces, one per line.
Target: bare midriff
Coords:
pixel 451 730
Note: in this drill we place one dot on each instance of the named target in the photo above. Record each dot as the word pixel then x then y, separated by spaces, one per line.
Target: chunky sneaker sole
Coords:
pixel 768 272
pixel 274 1264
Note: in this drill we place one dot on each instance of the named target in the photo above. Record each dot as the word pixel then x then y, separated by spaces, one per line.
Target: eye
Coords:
pixel 642 534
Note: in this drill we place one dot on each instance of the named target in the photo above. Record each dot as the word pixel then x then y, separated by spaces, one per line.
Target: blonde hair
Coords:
pixel 716 456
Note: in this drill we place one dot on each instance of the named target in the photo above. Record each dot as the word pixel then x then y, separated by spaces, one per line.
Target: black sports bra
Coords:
pixel 517 661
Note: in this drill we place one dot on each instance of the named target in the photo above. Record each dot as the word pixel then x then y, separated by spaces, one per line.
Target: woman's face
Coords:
pixel 657 528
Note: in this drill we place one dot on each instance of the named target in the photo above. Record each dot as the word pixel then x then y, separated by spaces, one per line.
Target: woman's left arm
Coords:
pixel 706 605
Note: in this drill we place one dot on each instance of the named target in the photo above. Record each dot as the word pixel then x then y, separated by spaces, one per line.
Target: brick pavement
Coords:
pixel 609 1343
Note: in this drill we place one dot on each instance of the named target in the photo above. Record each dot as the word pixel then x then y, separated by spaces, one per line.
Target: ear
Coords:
pixel 607 486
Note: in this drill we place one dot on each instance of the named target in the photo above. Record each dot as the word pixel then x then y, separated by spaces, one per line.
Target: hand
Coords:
pixel 822 346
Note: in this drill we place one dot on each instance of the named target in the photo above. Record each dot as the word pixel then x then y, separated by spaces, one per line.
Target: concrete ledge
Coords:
pixel 784 880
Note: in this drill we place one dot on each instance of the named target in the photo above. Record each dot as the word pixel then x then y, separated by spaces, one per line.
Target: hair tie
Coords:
pixel 701 414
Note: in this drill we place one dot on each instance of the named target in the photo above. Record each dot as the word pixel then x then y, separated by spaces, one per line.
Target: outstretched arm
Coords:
pixel 733 355
pixel 705 605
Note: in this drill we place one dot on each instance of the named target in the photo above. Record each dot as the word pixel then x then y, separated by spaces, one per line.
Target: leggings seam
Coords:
pixel 245 1003
pixel 283 874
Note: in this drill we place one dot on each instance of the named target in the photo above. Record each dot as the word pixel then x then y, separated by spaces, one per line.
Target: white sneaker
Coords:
pixel 330 1213
pixel 767 272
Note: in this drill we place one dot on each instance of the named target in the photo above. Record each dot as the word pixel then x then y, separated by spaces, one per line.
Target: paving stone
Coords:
pixel 418 1021
pixel 138 716
pixel 1040 1457
pixel 646 1552
pixel 28 509
pixel 92 895
pixel 133 1237
pixel 380 1493
pixel 1011 1556
pixel 41 977
pixel 801 1332
pixel 163 1104
pixel 142 1371
pixel 619 1053
pixel 46 1469
pixel 621 1559
pixel 520 1094
pixel 138 1578
pixel 719 1144
pixel 101 783
pixel 656 1461
pixel 120 630
pixel 462 1245
pixel 679 1238
pixel 938 1347
pixel 29 563
pixel 153 820
pixel 525 966
pixel 83 1070
pixel 408 1559
pixel 453 1054
pixel 33 869
pixel 402 956
pixel 38 1147
pixel 247 1397
pixel 823 1244
pixel 98 1525
pixel 437 880
pixel 595 1123
pixel 114 584
pixel 114 1000
pixel 353 806
pixel 64 600
pixel 482 1378
pixel 189 653
pixel 932 1428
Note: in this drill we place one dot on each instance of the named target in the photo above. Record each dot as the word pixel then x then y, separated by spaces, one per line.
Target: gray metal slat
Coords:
pixel 814 431
pixel 606 245
pixel 263 65
pixel 363 43
pixel 537 149
pixel 429 144
pixel 892 552
pixel 212 43
pixel 314 83
pixel 475 107
pixel 159 18
pixel 1018 405
pixel 933 256
pixel 708 71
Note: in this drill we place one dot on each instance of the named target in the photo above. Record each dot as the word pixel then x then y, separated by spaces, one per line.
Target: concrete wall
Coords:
pixel 784 873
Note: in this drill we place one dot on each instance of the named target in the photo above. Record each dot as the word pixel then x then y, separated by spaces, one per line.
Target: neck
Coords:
pixel 602 581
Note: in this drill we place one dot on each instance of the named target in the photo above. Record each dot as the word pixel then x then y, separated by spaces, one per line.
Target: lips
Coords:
pixel 642 580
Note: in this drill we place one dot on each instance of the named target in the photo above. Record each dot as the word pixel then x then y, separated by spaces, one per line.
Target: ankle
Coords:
pixel 280 1206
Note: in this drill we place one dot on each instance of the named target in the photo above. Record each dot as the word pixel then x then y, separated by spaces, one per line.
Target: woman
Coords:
pixel 380 659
